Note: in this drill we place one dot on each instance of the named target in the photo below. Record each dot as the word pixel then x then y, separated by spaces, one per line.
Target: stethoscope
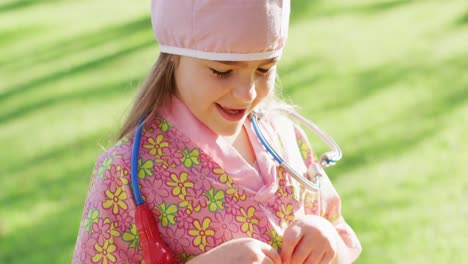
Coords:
pixel 316 172
pixel 154 249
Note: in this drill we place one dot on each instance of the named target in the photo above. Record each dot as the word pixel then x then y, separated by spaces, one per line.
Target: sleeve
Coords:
pixel 329 202
pixel 107 232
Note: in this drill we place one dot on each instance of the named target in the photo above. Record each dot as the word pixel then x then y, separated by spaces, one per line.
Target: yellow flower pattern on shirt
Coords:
pixel 131 236
pixel 201 231
pixel 191 157
pixel 145 168
pixel 105 253
pixel 156 145
pixel 168 214
pixel 286 214
pixel 196 203
pixel 115 200
pixel 248 220
pixel 216 200
pixel 179 184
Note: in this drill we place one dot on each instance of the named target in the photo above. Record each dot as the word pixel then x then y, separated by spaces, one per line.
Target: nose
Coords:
pixel 244 89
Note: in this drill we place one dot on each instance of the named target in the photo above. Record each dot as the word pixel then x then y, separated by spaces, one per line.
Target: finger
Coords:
pixel 314 258
pixel 291 238
pixel 327 258
pixel 301 252
pixel 263 259
pixel 272 255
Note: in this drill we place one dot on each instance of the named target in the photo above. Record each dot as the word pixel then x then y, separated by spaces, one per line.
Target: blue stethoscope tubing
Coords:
pixel 315 172
pixel 134 163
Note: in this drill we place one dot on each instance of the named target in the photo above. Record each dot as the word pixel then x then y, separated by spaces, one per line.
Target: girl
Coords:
pixel 217 195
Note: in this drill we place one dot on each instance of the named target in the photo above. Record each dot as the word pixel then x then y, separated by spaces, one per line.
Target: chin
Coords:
pixel 228 131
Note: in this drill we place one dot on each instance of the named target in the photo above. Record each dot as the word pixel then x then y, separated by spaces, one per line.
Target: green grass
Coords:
pixel 387 79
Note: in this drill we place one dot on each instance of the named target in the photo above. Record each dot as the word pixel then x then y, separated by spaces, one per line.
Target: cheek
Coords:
pixel 190 85
pixel 266 85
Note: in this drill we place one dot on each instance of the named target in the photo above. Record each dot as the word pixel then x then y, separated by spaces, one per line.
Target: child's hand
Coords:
pixel 241 250
pixel 311 239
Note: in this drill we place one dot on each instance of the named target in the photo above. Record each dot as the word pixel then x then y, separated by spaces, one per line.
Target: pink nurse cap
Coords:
pixel 224 30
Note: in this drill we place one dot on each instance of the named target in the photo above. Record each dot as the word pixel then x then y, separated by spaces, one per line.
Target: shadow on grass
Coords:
pixel 295 65
pixel 374 8
pixel 16 35
pixel 301 9
pixel 306 9
pixel 377 7
pixel 42 81
pixel 405 133
pixel 81 44
pixel 88 144
pixel 52 237
pixel 408 135
pixel 97 93
pixel 16 5
pixel 373 81
pixel 462 20
pixel 369 83
pixel 294 85
pixel 90 141
pixel 49 240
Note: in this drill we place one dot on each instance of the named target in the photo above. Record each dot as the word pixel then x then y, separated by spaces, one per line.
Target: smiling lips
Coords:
pixel 231 114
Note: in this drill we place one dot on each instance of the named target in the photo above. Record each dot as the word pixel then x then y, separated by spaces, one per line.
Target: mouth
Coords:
pixel 231 114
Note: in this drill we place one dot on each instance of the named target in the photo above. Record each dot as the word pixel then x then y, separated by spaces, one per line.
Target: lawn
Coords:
pixel 387 79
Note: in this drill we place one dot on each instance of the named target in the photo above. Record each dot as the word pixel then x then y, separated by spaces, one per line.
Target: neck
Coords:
pixel 241 142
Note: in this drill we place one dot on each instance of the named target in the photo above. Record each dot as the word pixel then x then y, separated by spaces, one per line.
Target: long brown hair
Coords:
pixel 156 89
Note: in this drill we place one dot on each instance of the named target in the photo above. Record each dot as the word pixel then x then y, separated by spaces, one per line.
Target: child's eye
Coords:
pixel 221 74
pixel 264 71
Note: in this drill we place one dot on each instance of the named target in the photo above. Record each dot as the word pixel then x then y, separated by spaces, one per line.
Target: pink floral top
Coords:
pixel 201 190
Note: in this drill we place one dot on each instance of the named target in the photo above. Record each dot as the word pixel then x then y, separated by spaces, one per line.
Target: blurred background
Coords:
pixel 387 79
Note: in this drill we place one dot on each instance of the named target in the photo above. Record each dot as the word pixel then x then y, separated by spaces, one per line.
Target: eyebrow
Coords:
pixel 244 64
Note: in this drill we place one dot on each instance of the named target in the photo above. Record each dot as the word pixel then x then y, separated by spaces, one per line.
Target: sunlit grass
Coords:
pixel 387 79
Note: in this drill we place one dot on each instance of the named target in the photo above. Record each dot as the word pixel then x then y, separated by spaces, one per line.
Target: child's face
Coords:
pixel 222 94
